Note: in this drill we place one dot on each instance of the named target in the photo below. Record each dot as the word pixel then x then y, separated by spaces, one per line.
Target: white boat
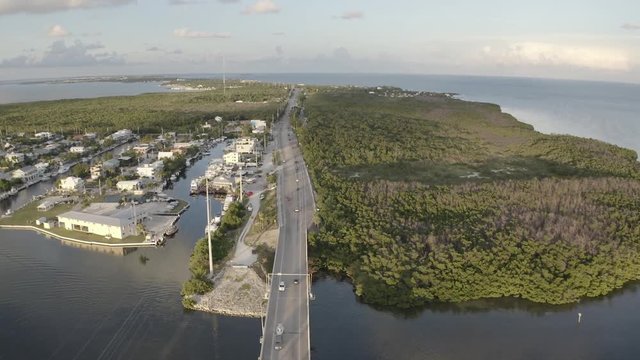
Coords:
pixel 63 169
pixel 227 201
pixel 173 177
pixel 212 227
pixel 195 185
pixel 217 219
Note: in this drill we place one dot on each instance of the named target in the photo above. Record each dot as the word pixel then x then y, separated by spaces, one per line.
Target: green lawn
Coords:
pixel 28 215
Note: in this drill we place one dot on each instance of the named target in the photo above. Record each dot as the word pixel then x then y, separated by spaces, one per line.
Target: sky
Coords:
pixel 567 39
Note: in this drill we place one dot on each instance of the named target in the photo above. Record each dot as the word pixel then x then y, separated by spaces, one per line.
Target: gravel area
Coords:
pixel 238 291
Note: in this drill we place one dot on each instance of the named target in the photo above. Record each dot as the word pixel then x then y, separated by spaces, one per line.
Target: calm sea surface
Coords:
pixel 58 302
pixel 12 92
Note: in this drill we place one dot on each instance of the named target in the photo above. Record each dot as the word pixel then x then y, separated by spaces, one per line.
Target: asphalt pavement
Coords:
pixel 290 307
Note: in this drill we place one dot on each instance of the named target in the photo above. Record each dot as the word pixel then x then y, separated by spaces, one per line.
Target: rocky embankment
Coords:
pixel 237 291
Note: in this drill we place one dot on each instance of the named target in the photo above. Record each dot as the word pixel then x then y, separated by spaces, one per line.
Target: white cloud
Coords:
pixel 352 15
pixel 184 2
pixel 188 33
pixel 58 31
pixel 47 6
pixel 554 55
pixel 60 54
pixel 630 26
pixel 262 7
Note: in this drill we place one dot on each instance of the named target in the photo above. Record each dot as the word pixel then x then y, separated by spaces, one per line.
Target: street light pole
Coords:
pixel 208 228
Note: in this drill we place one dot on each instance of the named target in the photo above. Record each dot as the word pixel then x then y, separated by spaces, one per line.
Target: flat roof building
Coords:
pixel 107 226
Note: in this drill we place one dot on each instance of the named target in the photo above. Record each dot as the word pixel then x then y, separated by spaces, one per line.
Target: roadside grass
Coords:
pixel 266 219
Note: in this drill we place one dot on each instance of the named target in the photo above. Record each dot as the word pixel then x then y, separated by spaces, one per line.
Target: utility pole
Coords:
pixel 208 229
pixel 241 194
pixel 224 82
pixel 135 219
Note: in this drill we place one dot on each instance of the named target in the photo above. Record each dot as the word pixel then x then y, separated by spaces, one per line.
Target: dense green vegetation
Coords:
pixel 427 198
pixel 147 113
pixel 222 241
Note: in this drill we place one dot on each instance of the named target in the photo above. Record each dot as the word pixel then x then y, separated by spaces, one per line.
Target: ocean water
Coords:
pixel 14 92
pixel 600 110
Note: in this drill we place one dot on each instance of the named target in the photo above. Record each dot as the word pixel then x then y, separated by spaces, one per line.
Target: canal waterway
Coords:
pixel 60 302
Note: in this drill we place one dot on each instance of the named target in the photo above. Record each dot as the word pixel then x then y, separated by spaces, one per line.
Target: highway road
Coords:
pixel 290 308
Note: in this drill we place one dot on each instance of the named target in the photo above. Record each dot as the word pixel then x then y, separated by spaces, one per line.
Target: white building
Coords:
pixel 71 183
pixel 26 174
pixel 223 183
pixel 96 171
pixel 142 149
pixel 258 126
pixel 151 171
pixel 231 158
pixel 246 145
pixel 106 226
pixel 121 135
pixel 77 149
pixel 165 155
pixel 15 157
pixel 46 205
pixel 44 135
pixel 129 185
pixel 41 167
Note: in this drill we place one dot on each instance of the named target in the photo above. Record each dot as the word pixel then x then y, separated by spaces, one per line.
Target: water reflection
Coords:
pixel 61 302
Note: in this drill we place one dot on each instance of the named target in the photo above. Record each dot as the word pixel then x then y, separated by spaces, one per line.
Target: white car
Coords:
pixel 281 286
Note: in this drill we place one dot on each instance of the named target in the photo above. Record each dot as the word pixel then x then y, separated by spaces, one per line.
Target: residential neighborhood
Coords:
pixel 112 188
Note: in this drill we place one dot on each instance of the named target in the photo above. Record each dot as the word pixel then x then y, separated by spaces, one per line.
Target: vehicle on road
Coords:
pixel 261 196
pixel 295 281
pixel 296 210
pixel 281 286
pixel 279 332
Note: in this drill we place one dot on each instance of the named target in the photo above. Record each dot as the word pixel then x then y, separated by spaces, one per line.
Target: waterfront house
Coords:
pixel 46 205
pixel 129 185
pixel 77 149
pixel 71 183
pixel 15 157
pixel 223 183
pixel 151 171
pixel 107 226
pixel 41 167
pixel 26 174
pixel 165 155
pixel 231 158
pixel 246 145
pixel 142 149
pixel 96 172
pixel 122 135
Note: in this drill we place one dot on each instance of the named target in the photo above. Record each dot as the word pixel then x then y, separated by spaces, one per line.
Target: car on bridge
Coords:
pixel 279 332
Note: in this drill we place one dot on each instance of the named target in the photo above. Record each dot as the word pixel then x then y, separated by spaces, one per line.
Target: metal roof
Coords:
pixel 93 218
